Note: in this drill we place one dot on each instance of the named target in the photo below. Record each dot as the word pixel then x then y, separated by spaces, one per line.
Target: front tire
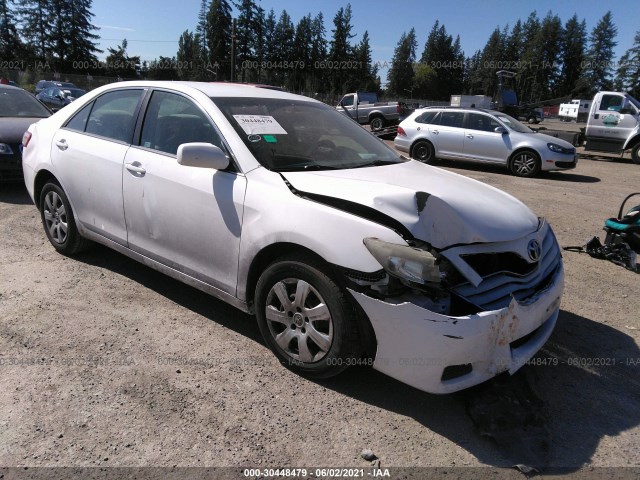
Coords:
pixel 423 151
pixel 305 318
pixel 525 164
pixel 58 220
pixel 635 154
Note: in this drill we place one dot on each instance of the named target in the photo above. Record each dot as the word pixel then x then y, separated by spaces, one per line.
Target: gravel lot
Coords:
pixel 105 362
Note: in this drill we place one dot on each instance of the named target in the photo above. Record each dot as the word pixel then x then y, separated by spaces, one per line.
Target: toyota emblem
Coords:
pixel 533 249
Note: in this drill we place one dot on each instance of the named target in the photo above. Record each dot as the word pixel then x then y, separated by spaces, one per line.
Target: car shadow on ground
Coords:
pixel 14 193
pixel 460 166
pixel 579 395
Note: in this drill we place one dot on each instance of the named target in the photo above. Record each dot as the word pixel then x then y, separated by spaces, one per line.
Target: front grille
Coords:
pixel 486 264
pixel 496 289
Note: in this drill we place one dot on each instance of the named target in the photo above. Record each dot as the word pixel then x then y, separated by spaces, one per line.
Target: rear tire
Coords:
pixel 635 154
pixel 377 124
pixel 424 152
pixel 58 220
pixel 305 318
pixel 525 164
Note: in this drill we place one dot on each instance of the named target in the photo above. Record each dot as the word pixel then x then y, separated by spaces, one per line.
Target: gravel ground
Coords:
pixel 105 362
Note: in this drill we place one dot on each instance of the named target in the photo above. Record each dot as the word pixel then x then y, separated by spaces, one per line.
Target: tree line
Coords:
pixel 239 40
pixel 550 60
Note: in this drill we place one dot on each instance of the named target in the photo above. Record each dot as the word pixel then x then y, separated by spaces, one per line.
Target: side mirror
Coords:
pixel 500 130
pixel 202 155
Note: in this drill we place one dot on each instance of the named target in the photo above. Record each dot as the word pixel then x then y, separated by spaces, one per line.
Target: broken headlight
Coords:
pixel 407 263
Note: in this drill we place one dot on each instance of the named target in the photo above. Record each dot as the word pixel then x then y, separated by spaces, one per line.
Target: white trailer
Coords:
pixel 467 101
pixel 577 110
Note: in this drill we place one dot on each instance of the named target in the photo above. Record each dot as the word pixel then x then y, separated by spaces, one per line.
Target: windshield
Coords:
pixel 18 103
pixel 293 135
pixel 513 124
pixel 74 92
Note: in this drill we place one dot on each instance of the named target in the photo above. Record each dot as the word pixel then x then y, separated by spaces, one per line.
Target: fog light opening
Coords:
pixel 455 371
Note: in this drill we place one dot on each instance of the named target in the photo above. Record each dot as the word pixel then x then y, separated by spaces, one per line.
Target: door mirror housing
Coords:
pixel 500 130
pixel 202 155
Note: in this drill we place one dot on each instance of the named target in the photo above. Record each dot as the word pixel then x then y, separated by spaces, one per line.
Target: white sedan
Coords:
pixel 281 206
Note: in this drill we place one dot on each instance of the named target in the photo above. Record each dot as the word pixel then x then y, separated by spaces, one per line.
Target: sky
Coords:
pixel 153 29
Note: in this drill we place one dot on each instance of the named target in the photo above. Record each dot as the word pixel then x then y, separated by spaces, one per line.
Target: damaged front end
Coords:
pixel 449 319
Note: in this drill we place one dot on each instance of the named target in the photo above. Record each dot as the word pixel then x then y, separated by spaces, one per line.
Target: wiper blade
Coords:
pixel 376 163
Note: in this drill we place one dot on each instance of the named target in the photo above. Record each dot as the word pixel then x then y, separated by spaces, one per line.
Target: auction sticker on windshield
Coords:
pixel 259 124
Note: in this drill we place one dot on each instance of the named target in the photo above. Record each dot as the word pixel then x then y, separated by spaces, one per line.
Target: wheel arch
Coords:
pixel 521 149
pixel 42 177
pixel 273 252
pixel 632 142
pixel 422 139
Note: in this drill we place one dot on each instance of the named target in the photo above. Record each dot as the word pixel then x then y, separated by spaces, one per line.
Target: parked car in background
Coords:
pixel 57 97
pixel 44 84
pixel 18 110
pixel 347 252
pixel 480 135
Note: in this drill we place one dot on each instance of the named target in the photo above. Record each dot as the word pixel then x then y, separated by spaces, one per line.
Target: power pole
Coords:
pixel 233 45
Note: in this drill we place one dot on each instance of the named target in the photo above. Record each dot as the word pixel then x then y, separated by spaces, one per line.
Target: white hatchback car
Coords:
pixel 479 135
pixel 278 204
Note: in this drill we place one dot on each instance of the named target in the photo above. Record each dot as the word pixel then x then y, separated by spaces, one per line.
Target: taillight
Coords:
pixel 26 138
pixel 398 109
pixel 401 132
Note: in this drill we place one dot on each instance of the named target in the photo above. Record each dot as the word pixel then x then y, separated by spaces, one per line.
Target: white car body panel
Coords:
pixel 453 200
pixel 205 227
pixel 185 217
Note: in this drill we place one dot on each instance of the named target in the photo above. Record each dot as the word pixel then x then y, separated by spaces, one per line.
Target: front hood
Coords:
pixel 436 206
pixel 12 128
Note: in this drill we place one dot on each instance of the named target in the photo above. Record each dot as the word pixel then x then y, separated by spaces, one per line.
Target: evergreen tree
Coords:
pixel 10 45
pixel 246 35
pixel 573 52
pixel 401 74
pixel 547 47
pixel 201 28
pixel 445 60
pixel 302 53
pixel 163 68
pixel 284 35
pixel 628 74
pixel 366 74
pixel 218 34
pixel 490 63
pixel 188 57
pixel 71 37
pixel 341 50
pixel 270 47
pixel 35 19
pixel 599 61
pixel 530 57
pixel 120 64
pixel 318 54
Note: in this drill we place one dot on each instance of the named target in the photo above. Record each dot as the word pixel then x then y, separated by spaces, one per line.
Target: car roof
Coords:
pixel 463 109
pixel 214 89
pixel 9 87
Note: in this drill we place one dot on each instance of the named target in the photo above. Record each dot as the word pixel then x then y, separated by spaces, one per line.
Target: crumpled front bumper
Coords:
pixel 416 345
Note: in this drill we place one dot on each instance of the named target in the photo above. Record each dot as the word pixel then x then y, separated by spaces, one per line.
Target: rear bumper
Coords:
pixel 420 347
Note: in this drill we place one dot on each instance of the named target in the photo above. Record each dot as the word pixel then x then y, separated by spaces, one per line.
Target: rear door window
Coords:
pixel 452 119
pixel 113 115
pixel 427 117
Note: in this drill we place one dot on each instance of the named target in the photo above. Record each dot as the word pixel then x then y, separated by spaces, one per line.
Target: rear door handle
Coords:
pixel 135 169
pixel 469 135
pixel 62 144
pixel 436 132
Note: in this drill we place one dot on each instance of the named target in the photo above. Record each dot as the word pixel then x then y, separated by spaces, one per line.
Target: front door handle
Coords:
pixel 62 144
pixel 436 132
pixel 469 135
pixel 135 169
